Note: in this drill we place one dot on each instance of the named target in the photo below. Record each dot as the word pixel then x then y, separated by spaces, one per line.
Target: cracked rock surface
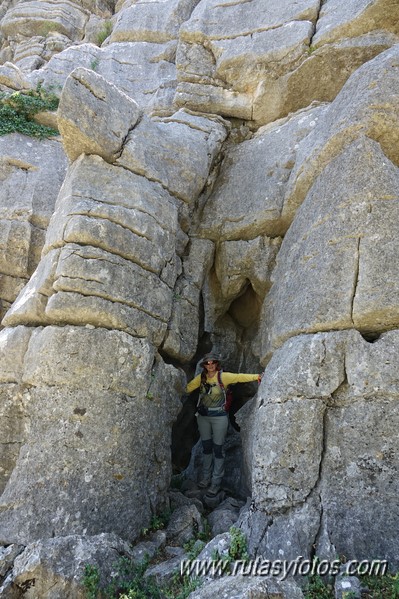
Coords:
pixel 226 178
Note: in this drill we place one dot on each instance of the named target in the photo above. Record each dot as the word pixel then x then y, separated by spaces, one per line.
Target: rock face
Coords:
pixel 312 457
pixel 226 178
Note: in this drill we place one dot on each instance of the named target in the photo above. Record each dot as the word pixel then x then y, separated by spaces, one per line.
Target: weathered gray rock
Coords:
pixel 39 18
pixel 36 168
pixel 147 549
pixel 248 197
pixel 354 19
pixel 30 305
pixel 181 338
pixel 91 271
pixel 14 247
pixel 242 273
pixel 91 414
pixel 166 570
pixel 306 366
pixel 118 211
pixel 319 77
pixel 74 308
pixel 7 557
pixel 15 424
pixel 335 255
pixel 94 116
pixel 345 471
pixel 366 105
pixel 177 499
pixel 224 516
pixel 248 59
pixel 56 567
pixel 184 524
pixel 219 546
pixel 146 74
pixel 358 470
pixel 369 366
pixel 285 471
pixel 345 585
pixel 128 226
pixel 13 346
pixel 221 60
pixel 246 587
pixel 283 536
pixel 177 155
pixel 151 22
pixel 12 77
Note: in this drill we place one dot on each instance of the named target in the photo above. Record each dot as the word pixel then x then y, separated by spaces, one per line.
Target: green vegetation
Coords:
pixel 238 549
pixel 381 587
pixel 91 581
pixel 157 522
pixel 17 112
pixel 317 588
pixel 129 582
pixel 104 33
pixel 373 587
pixel 94 64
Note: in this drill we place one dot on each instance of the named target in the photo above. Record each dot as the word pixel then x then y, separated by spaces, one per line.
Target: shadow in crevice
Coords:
pixel 371 337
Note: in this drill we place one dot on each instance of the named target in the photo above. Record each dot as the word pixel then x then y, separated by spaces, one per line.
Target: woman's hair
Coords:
pixel 203 373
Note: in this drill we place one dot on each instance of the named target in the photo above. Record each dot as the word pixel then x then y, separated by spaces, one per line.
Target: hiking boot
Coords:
pixel 213 490
pixel 203 484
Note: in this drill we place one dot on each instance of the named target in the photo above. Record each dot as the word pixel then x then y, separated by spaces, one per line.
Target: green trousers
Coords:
pixel 213 430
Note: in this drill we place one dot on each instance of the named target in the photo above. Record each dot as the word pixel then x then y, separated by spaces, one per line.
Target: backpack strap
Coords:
pixel 220 382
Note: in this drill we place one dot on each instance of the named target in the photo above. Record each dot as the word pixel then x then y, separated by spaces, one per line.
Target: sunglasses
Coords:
pixel 210 362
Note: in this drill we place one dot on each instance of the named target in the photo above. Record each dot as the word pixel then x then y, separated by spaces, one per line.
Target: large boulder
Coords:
pixel 226 51
pixel 151 22
pixel 338 251
pixel 94 116
pixel 58 567
pixel 94 398
pixel 147 73
pixel 366 105
pixel 177 152
pixel 314 467
pixel 248 197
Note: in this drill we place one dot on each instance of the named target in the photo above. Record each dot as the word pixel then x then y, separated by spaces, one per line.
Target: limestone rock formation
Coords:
pixel 36 169
pixel 226 178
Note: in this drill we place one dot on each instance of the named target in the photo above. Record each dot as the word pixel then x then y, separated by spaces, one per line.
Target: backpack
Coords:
pixel 227 392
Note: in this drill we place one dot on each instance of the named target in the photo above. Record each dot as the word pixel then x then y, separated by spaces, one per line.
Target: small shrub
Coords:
pixel 316 588
pixel 91 581
pixel 18 109
pixel 104 33
pixel 381 587
pixel 193 548
pixel 129 582
pixel 238 549
pixel 160 521
pixel 94 64
pixel 181 587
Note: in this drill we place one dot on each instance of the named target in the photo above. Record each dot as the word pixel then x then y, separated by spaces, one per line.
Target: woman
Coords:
pixel 212 416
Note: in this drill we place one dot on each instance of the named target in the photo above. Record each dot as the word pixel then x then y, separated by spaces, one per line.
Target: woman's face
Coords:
pixel 210 367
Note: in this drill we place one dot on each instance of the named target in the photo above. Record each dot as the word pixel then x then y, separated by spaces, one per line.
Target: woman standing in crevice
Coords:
pixel 212 416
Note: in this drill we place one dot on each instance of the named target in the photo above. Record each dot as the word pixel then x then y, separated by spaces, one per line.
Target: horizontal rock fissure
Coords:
pixel 105 248
pixel 153 180
pixel 120 204
pixel 111 220
pixel 243 34
pixel 108 298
